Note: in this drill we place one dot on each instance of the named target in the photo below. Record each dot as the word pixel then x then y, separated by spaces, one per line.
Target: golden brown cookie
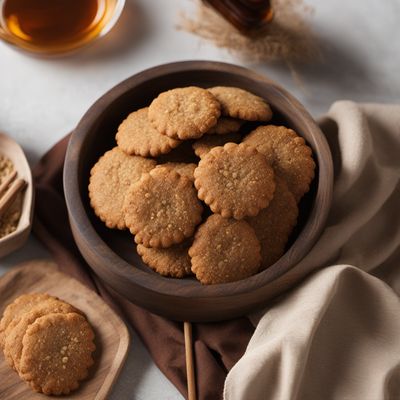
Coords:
pixel 274 224
pixel 235 180
pixel 17 327
pixel 224 250
pixel 137 136
pixel 184 113
pixel 17 308
pixel 289 155
pixel 225 125
pixel 239 103
pixel 203 145
pixel 185 169
pixel 162 209
pixel 174 261
pixel 110 178
pixel 57 352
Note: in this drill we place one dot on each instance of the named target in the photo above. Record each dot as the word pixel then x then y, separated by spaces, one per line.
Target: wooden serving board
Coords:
pixel 112 337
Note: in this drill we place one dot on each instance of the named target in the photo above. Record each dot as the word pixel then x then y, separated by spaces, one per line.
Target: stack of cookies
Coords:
pixel 48 342
pixel 224 211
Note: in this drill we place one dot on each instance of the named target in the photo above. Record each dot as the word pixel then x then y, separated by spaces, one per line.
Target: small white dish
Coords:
pixel 13 241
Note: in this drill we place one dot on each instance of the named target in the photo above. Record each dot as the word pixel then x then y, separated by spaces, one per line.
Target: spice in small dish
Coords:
pixel 9 221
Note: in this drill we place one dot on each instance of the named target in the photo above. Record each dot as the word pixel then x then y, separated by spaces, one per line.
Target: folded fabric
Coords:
pixel 217 346
pixel 337 335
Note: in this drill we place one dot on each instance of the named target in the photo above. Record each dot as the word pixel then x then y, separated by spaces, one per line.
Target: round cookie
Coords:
pixel 137 136
pixel 184 113
pixel 57 352
pixel 235 180
pixel 110 178
pixel 239 103
pixel 174 261
pixel 17 308
pixel 185 169
pixel 17 328
pixel 224 250
pixel 162 209
pixel 225 125
pixel 203 145
pixel 289 155
pixel 274 224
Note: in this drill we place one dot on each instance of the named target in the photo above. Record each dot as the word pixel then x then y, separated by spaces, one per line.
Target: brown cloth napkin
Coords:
pixel 217 346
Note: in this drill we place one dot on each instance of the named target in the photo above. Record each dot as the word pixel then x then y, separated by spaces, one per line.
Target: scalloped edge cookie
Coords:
pixel 239 103
pixel 288 154
pixel 162 209
pixel 173 261
pixel 56 366
pixel 235 180
pixel 184 113
pixel 224 250
pixel 136 136
pixel 110 178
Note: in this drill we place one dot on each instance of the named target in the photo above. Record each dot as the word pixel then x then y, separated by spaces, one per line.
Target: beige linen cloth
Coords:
pixel 337 334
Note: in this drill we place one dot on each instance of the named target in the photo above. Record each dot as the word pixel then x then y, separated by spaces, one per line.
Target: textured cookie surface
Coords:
pixel 137 136
pixel 162 209
pixel 174 261
pixel 185 169
pixel 224 250
pixel 225 125
pixel 17 308
pixel 235 180
pixel 57 352
pixel 274 224
pixel 17 328
pixel 203 145
pixel 239 103
pixel 289 155
pixel 184 113
pixel 110 179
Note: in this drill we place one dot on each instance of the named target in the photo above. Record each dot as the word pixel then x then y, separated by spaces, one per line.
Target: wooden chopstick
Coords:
pixel 10 177
pixel 8 199
pixel 191 381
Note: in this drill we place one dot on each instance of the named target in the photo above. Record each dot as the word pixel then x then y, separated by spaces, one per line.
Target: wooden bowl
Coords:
pixel 16 239
pixel 111 254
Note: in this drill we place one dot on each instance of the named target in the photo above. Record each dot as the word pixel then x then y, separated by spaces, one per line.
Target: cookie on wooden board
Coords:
pixel 17 328
pixel 136 136
pixel 274 224
pixel 184 113
pixel 288 154
pixel 110 178
pixel 162 209
pixel 224 250
pixel 17 308
pixel 57 352
pixel 235 180
pixel 239 103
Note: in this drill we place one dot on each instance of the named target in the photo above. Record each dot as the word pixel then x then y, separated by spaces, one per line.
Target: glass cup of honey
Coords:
pixel 56 26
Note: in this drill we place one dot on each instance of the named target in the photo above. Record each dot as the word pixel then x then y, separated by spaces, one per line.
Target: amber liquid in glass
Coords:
pixel 55 23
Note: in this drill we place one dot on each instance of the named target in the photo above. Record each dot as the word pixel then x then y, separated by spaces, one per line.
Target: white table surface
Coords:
pixel 43 99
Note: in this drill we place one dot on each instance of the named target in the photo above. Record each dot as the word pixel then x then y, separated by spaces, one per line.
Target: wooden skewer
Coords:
pixel 3 187
pixel 10 196
pixel 191 381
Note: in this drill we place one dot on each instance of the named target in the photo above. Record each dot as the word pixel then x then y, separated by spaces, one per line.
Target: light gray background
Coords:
pixel 43 99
